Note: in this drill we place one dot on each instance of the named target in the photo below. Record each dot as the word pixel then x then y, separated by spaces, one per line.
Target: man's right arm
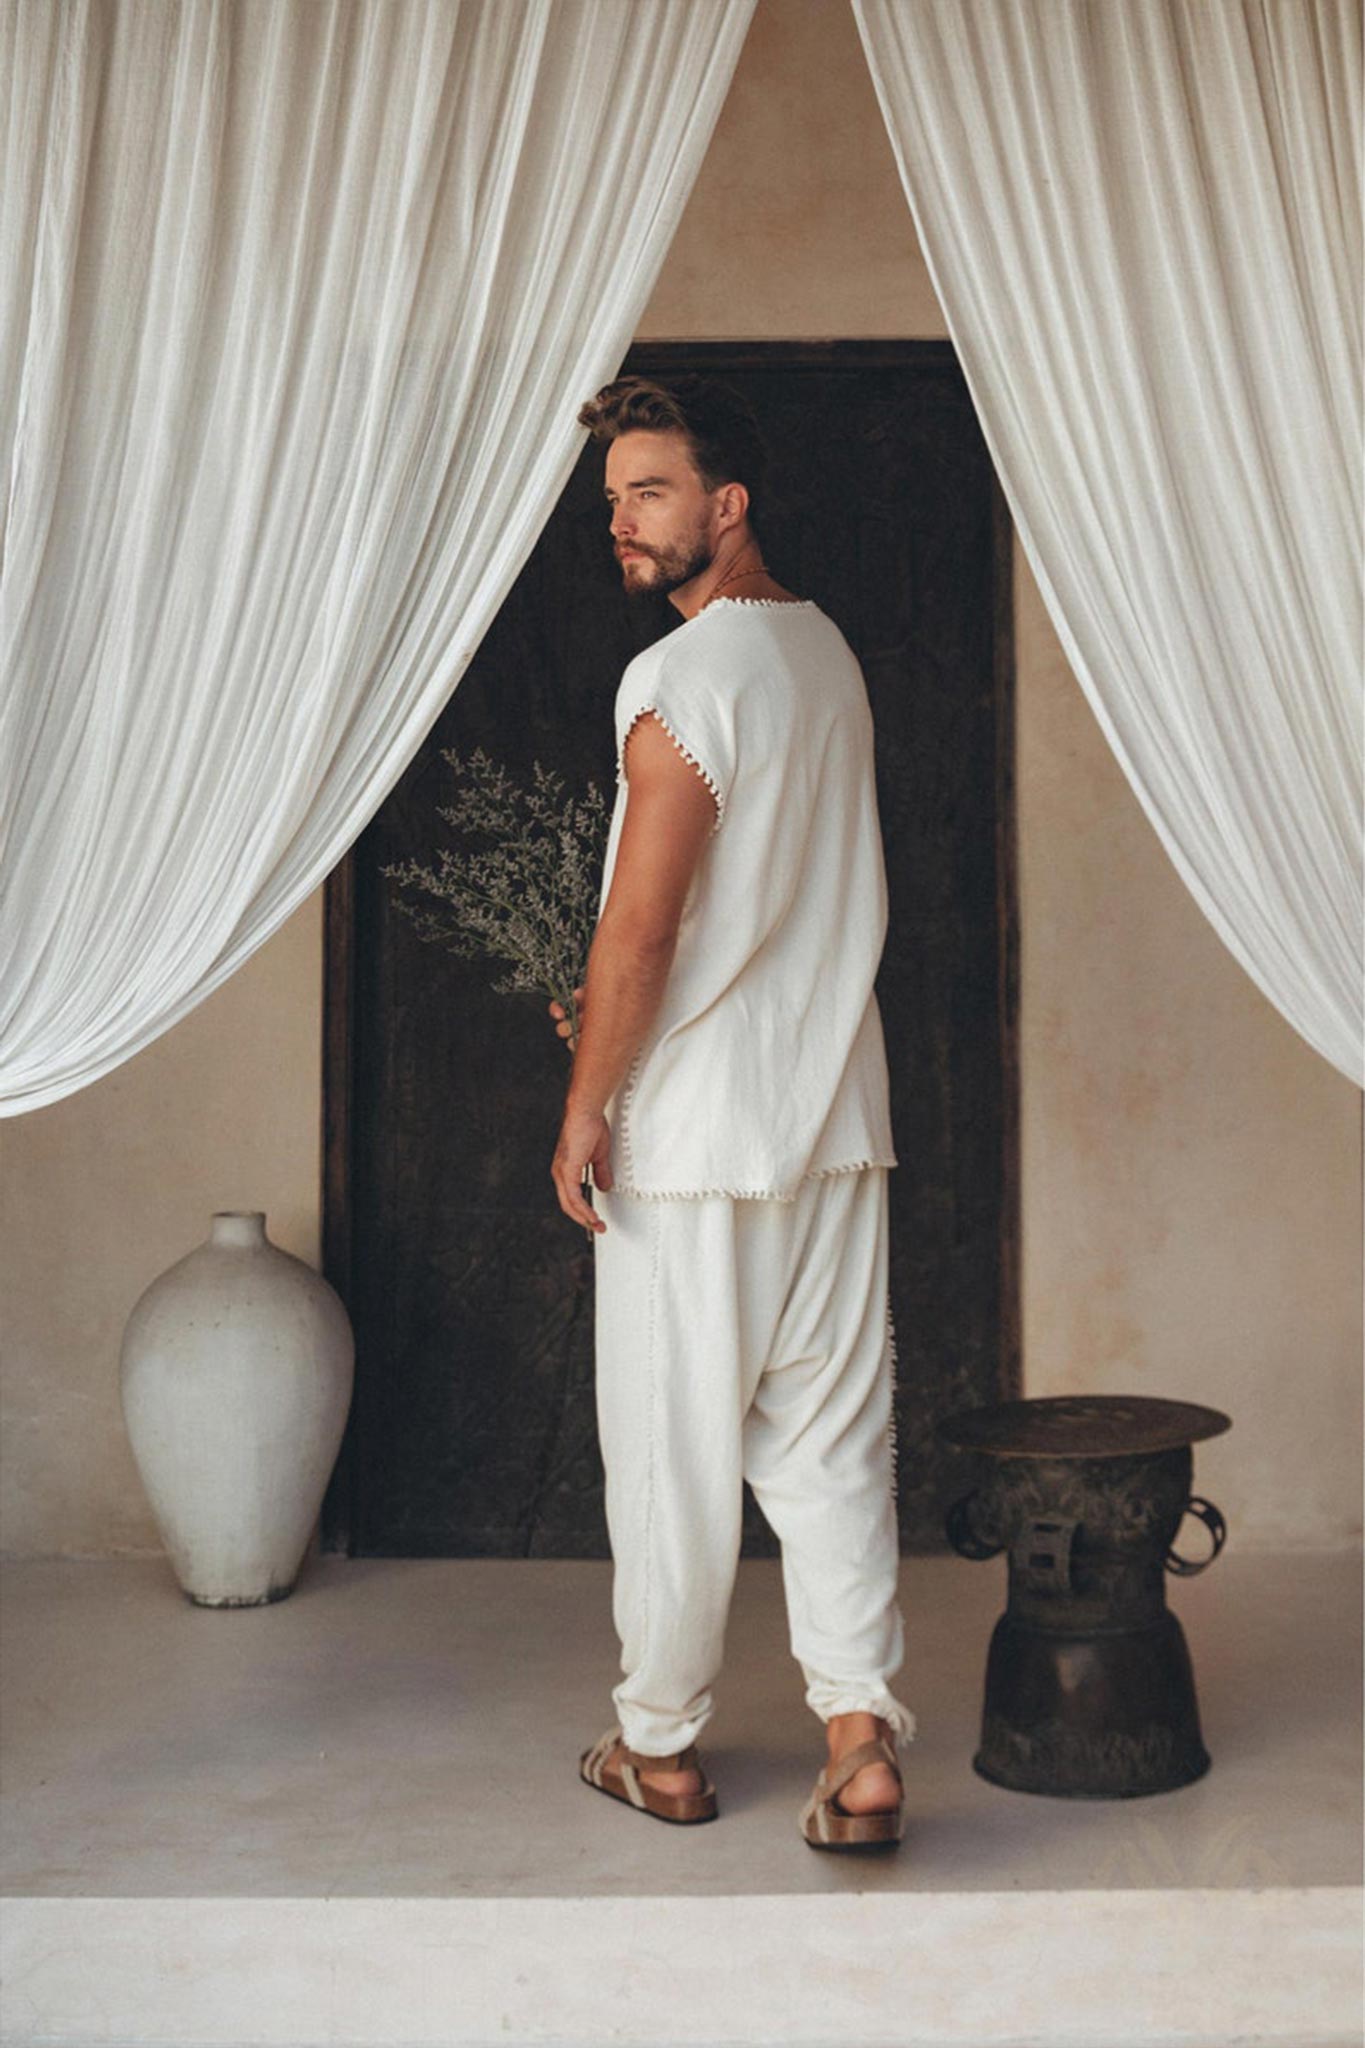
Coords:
pixel 670 814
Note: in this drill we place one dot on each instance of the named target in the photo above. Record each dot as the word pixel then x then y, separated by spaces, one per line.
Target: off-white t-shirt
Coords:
pixel 765 1063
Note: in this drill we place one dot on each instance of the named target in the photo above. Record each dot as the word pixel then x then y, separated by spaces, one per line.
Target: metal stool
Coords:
pixel 1089 1688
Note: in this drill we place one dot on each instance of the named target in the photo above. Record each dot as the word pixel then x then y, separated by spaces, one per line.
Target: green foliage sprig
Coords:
pixel 524 888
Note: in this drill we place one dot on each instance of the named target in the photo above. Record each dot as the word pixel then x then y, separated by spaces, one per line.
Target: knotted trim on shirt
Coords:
pixel 653 711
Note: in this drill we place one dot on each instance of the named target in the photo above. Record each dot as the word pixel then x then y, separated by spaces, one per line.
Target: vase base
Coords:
pixel 239 1599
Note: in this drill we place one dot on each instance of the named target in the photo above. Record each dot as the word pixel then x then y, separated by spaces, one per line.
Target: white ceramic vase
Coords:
pixel 236 1375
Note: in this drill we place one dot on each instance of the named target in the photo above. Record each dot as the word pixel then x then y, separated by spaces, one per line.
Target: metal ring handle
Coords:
pixel 1211 1517
pixel 958 1528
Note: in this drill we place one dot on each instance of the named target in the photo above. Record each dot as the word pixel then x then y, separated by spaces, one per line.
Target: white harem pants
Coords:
pixel 748 1337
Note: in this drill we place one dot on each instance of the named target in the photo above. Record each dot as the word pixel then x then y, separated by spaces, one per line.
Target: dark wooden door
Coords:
pixel 473 1427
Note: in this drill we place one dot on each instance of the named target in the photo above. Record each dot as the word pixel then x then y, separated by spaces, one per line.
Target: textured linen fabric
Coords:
pixel 766 1062
pixel 749 1340
pixel 1142 219
pixel 298 302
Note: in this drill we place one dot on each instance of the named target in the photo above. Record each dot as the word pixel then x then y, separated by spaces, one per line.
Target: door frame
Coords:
pixel 664 358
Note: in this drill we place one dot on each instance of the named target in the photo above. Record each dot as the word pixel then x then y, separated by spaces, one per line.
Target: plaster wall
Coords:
pixel 1191 1170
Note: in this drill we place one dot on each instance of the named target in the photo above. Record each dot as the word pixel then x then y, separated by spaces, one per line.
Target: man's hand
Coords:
pixel 669 816
pixel 565 1028
pixel 584 1140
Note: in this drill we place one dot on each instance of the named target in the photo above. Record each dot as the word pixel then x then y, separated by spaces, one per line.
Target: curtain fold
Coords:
pixel 1143 222
pixel 297 306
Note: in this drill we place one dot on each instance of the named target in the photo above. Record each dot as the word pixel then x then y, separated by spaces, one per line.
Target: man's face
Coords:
pixel 662 519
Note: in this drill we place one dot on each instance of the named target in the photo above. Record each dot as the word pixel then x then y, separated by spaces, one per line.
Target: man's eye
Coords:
pixel 649 494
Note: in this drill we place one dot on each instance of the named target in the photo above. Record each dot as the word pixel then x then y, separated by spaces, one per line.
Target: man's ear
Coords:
pixel 732 508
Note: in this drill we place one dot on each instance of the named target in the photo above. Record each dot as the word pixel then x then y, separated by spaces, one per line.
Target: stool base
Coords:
pixel 1099 1716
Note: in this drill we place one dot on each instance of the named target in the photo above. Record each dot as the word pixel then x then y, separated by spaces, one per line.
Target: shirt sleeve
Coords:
pixel 696 719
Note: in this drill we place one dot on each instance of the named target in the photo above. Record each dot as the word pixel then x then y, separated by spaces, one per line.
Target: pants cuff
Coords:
pixel 656 1734
pixel 828 1700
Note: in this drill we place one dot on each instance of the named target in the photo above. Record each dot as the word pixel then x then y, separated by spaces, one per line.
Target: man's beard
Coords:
pixel 672 567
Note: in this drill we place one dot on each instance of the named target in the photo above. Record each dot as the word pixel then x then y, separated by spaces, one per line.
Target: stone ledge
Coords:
pixel 1130 1969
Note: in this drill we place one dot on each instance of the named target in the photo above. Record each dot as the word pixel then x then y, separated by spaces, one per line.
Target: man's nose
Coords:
pixel 621 523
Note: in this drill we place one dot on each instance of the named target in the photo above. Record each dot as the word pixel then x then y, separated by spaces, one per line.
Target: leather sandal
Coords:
pixel 828 1825
pixel 610 1767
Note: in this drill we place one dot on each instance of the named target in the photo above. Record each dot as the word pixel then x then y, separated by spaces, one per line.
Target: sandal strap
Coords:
pixel 678 1759
pixel 631 1762
pixel 598 1754
pixel 876 1750
pixel 614 1739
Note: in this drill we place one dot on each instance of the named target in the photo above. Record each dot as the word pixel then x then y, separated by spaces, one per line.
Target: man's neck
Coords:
pixel 735 572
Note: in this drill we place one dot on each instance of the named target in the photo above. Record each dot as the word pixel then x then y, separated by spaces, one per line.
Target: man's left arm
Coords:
pixel 670 814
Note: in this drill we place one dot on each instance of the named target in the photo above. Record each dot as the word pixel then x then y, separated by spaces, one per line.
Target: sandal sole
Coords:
pixel 879 1841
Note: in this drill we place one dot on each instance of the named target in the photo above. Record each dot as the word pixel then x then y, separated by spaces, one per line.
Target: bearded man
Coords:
pixel 729 1099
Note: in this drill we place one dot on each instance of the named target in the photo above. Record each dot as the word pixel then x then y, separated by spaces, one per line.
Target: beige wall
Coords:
pixel 1192 1172
pixel 104 1190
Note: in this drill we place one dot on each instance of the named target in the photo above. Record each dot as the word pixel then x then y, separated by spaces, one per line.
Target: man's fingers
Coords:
pixel 573 1203
pixel 563 1026
pixel 601 1165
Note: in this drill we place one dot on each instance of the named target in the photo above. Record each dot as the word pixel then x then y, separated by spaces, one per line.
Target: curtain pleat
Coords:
pixel 297 307
pixel 1143 222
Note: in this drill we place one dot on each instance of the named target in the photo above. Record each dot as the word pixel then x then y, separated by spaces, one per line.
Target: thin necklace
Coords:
pixel 733 577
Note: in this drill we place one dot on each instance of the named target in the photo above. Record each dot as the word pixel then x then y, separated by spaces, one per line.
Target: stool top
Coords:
pixel 1080 1426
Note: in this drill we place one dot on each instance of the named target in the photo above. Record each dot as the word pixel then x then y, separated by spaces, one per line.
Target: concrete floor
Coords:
pixel 402 1731
pixel 412 1727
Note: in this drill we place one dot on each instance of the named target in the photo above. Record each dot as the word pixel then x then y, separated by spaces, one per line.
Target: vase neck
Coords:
pixel 238 1227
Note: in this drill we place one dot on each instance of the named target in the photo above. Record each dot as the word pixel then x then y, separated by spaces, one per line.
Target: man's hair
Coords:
pixel 722 433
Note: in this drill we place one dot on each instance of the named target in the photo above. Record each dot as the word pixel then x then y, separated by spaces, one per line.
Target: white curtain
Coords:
pixel 297 306
pixel 1142 218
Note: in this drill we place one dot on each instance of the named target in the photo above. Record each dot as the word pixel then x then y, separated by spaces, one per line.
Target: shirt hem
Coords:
pixel 747 1194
